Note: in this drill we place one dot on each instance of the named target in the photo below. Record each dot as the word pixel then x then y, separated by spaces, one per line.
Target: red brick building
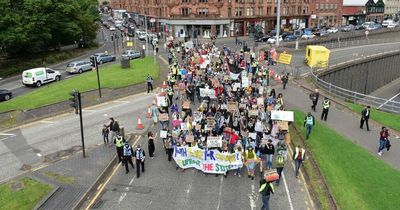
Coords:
pixel 220 17
pixel 326 13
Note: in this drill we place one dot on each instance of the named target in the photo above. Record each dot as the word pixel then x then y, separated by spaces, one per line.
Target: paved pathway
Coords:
pixel 343 121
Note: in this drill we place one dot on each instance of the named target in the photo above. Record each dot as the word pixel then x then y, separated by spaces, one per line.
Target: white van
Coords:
pixel 386 23
pixel 38 76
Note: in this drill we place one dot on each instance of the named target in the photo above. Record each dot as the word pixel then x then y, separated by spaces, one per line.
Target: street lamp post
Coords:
pixel 278 22
pixel 113 39
pixel 147 37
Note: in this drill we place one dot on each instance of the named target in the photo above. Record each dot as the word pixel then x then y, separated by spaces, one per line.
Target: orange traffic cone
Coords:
pixel 148 112
pixel 139 123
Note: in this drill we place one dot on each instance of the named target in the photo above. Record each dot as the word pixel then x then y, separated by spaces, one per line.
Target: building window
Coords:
pixel 202 11
pixel 335 6
pixel 260 11
pixel 250 11
pixel 184 1
pixel 268 10
pixel 229 12
pixel 316 6
pixel 238 11
pixel 186 11
pixel 299 10
pixel 203 1
pixel 275 10
pixel 331 6
pixel 260 1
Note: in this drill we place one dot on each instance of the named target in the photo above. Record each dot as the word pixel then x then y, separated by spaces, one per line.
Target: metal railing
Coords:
pixel 352 96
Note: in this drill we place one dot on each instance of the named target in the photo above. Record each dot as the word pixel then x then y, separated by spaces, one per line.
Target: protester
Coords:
pixel 251 161
pixel 365 113
pixel 285 80
pixel 314 98
pixel 104 133
pixel 151 146
pixel 383 140
pixel 114 128
pixel 298 157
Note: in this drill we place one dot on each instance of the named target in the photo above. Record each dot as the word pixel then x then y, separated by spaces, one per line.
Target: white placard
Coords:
pixel 163 134
pixel 253 136
pixel 161 101
pixel 282 115
pixel 236 86
pixel 214 141
pixel 245 82
pixel 207 92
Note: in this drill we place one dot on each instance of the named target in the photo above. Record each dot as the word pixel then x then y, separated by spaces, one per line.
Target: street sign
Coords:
pixel 285 58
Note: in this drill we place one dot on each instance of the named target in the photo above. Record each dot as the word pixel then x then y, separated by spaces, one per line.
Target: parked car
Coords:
pixel 104 58
pixel 290 37
pixel 358 27
pixel 130 54
pixel 386 23
pixel 347 28
pixel 78 67
pixel 307 35
pixel 393 25
pixel 272 40
pixel 284 34
pixel 5 95
pixel 321 32
pixel 366 24
pixel 332 30
pixel 263 39
pixel 38 76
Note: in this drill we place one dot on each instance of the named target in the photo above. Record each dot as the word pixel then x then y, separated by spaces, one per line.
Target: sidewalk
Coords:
pixel 341 120
pixel 77 175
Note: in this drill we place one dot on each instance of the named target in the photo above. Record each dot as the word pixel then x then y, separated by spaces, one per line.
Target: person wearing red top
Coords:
pixel 383 138
pixel 232 141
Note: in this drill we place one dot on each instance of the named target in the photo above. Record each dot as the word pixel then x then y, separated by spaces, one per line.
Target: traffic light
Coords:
pixel 93 60
pixel 74 99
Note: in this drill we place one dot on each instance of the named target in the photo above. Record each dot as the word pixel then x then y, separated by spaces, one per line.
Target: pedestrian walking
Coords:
pixel 139 157
pixel 240 152
pixel 309 123
pixel 154 113
pixel 298 157
pixel 285 80
pixel 114 128
pixel 149 81
pixel 128 151
pixel 266 188
pixel 168 144
pixel 251 161
pixel 314 98
pixel 151 147
pixel 383 139
pixel 325 108
pixel 270 153
pixel 104 133
pixel 119 144
pixel 279 163
pixel 263 150
pixel 365 113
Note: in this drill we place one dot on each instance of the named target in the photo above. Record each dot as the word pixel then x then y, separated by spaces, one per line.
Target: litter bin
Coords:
pixel 125 63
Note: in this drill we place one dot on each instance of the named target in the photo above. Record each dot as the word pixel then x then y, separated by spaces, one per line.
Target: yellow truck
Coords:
pixel 317 56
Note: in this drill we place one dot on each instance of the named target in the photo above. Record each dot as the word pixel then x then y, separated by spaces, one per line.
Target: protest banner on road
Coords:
pixel 214 141
pixel 282 115
pixel 207 92
pixel 208 161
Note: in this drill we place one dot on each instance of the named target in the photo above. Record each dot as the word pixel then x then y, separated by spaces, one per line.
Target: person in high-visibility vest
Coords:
pixel 251 160
pixel 298 157
pixel 119 144
pixel 266 188
pixel 325 108
pixel 309 123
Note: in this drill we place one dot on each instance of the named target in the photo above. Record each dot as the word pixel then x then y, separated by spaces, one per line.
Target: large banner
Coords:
pixel 208 161
pixel 282 115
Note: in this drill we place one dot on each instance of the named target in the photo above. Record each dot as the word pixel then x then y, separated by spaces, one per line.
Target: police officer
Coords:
pixel 128 151
pixel 266 188
pixel 325 108
pixel 149 81
pixel 309 123
pixel 119 144
pixel 139 157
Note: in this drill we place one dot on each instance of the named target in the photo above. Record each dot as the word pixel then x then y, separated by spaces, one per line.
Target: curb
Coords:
pixel 45 199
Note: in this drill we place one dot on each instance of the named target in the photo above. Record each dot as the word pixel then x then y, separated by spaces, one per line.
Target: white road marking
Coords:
pixel 287 192
pixel 123 195
pixel 220 192
pixel 130 182
pixel 47 121
pixel 105 115
pixel 389 100
pixel 38 154
pixel 7 134
pixel 252 197
pixel 124 102
pixel 188 190
pixel 89 110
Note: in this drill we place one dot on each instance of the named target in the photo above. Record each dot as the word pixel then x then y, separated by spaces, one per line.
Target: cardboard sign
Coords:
pixel 164 117
pixel 242 106
pixel 253 112
pixel 214 141
pixel 189 138
pixel 282 115
pixel 283 125
pixel 199 72
pixel 260 101
pixel 186 105
pixel 184 126
pixel 232 106
pixel 163 134
pixel 210 122
pixel 197 127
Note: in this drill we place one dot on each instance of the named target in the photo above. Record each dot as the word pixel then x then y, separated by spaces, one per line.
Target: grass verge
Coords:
pixel 15 66
pixel 357 179
pixel 22 194
pixel 111 76
pixel 60 178
pixel 390 120
pixel 312 173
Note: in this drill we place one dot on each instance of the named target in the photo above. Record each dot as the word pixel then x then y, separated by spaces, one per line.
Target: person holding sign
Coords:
pixel 250 160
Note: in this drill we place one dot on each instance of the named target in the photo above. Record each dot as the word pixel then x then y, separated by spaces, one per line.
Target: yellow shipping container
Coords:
pixel 317 56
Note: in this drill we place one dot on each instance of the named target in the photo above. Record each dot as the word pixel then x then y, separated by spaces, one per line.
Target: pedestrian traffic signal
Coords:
pixel 74 99
pixel 93 61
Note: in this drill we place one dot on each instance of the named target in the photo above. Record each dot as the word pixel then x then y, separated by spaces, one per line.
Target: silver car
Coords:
pixel 130 54
pixel 78 67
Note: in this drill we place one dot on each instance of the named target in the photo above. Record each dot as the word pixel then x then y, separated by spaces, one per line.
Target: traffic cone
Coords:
pixel 139 123
pixel 148 112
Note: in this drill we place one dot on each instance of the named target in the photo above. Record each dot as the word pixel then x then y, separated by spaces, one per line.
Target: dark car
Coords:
pixel 321 32
pixel 290 37
pixel 284 34
pixel 263 39
pixel 5 95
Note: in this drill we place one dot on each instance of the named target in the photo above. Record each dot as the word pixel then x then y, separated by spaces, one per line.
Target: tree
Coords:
pixel 30 26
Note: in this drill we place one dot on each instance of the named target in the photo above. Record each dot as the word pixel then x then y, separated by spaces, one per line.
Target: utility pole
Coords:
pixel 93 60
pixel 147 43
pixel 77 104
pixel 278 22
pixel 113 40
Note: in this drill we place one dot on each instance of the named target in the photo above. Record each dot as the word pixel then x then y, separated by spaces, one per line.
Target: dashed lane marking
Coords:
pixel 220 192
pixel 287 192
